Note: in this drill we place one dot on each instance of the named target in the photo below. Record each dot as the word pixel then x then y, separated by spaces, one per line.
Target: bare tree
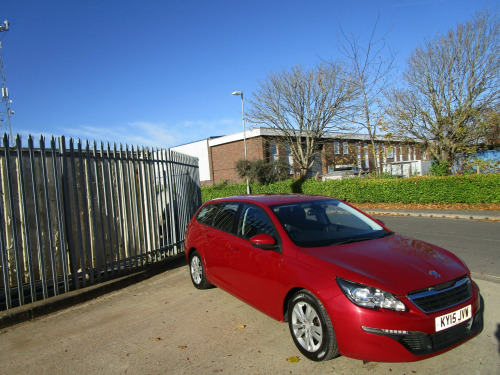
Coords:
pixel 450 81
pixel 371 67
pixel 301 104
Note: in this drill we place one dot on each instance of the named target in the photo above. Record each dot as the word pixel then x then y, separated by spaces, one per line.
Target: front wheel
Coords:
pixel 198 272
pixel 311 328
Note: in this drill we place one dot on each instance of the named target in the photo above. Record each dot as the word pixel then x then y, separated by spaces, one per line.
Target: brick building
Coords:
pixel 218 155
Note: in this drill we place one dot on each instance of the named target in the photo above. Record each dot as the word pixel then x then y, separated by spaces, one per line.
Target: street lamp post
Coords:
pixel 244 131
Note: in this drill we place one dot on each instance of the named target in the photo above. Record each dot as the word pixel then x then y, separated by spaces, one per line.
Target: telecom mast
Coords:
pixel 5 90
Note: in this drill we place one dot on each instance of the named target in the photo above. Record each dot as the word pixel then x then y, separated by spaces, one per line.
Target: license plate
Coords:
pixel 453 318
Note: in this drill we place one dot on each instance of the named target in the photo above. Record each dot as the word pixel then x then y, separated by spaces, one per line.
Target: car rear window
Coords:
pixel 224 217
pixel 206 214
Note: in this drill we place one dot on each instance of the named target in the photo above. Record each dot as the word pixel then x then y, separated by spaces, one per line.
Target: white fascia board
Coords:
pixel 346 136
pixel 366 137
pixel 235 137
pixel 257 132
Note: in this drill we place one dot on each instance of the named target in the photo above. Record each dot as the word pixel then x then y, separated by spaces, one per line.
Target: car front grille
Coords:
pixel 442 296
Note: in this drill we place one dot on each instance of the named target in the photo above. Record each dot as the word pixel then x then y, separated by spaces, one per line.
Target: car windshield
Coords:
pixel 324 223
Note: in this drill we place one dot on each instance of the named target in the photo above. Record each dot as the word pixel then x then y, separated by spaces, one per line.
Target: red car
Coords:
pixel 344 282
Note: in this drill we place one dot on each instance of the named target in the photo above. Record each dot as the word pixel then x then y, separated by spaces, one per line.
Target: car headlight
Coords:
pixel 367 296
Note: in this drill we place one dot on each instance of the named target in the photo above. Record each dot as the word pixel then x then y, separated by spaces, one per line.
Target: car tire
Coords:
pixel 311 327
pixel 197 271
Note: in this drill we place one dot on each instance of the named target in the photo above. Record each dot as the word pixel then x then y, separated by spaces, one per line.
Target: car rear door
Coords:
pixel 257 271
pixel 219 250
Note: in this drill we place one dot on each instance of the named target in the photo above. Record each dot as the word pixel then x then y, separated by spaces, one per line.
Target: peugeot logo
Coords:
pixel 435 274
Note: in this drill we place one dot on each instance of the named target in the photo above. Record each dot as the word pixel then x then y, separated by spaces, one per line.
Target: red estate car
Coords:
pixel 344 282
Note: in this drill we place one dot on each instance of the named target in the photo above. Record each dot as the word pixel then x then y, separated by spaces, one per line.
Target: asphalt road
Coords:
pixel 475 242
pixel 164 325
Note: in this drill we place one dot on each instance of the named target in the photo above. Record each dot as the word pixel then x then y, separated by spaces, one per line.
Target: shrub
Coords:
pixel 262 171
pixel 439 168
pixel 428 189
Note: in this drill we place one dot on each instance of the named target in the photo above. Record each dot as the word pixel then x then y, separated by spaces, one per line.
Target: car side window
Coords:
pixel 224 217
pixel 206 214
pixel 253 220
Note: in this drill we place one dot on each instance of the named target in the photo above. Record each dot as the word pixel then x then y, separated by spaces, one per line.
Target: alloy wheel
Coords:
pixel 306 326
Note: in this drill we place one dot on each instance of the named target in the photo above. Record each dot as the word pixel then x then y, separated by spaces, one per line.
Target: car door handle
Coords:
pixel 233 248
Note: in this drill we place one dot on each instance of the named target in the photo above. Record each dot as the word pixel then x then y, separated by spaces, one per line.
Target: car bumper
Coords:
pixel 390 336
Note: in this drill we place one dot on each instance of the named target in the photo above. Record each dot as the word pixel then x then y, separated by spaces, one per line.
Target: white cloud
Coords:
pixel 140 133
pixel 36 138
pixel 144 133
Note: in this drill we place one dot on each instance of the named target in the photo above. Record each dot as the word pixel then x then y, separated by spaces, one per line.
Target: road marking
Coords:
pixel 484 276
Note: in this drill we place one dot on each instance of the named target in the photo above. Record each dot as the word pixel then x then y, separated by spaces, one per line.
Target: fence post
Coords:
pixel 13 218
pixel 67 208
pixel 52 248
pixel 3 252
pixel 41 255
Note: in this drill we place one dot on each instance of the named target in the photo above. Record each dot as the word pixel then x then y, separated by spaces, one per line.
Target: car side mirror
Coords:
pixel 378 221
pixel 263 241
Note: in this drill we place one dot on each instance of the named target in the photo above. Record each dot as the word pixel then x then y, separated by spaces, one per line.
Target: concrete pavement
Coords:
pixel 261 347
pixel 163 325
pixel 40 308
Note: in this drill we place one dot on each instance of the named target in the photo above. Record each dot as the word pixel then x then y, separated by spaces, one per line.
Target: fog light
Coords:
pixel 386 332
pixel 394 332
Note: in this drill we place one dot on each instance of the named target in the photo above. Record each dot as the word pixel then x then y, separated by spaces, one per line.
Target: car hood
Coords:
pixel 397 264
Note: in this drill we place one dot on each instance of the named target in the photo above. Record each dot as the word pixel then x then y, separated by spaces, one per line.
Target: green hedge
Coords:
pixel 479 188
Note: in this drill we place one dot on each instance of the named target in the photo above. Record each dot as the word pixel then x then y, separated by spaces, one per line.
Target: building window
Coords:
pixel 287 149
pixel 336 147
pixel 345 148
pixel 389 152
pixel 367 157
pixel 289 157
pixel 273 150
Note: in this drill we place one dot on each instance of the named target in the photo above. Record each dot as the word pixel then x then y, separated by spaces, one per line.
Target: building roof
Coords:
pixel 201 149
pixel 261 131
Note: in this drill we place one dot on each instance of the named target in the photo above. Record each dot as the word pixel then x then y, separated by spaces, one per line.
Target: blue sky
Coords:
pixel 161 73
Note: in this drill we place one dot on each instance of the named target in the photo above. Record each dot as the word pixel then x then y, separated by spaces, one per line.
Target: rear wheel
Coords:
pixel 198 272
pixel 311 328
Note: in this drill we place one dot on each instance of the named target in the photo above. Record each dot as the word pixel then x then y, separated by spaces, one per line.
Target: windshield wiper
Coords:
pixel 385 235
pixel 351 240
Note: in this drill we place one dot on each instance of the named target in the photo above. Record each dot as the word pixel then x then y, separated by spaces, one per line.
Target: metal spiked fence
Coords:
pixel 74 214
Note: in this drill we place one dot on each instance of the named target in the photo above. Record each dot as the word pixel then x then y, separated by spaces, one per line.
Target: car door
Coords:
pixel 256 279
pixel 219 251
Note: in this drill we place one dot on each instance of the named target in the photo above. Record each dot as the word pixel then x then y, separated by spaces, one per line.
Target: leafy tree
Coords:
pixel 301 104
pixel 491 123
pixel 477 165
pixel 439 168
pixel 449 83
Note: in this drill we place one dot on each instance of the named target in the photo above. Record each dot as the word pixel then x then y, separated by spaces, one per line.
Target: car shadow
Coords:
pixel 478 324
pixel 497 335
